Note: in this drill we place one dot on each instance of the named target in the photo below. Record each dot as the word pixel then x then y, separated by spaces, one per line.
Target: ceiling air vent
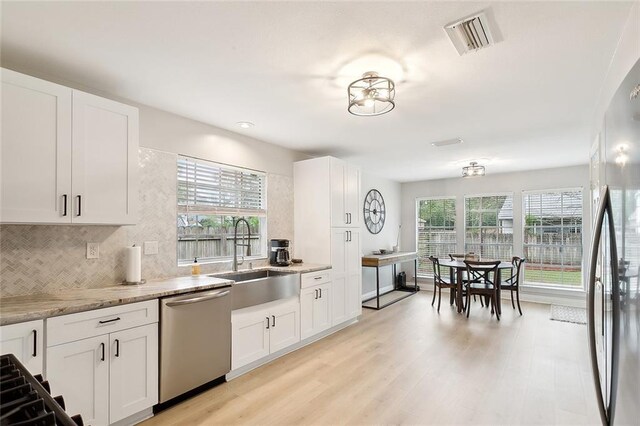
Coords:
pixel 470 34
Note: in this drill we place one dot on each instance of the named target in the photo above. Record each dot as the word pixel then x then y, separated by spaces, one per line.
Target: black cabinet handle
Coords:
pixel 268 323
pixel 108 321
pixel 35 343
pixel 102 345
pixel 317 278
pixel 316 291
pixel 274 320
pixel 117 347
pixel 64 204
pixel 79 197
pixel 320 290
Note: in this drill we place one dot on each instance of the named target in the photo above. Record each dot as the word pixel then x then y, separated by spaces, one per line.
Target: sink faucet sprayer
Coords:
pixel 235 243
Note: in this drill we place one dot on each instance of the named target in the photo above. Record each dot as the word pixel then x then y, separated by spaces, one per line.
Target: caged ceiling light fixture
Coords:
pixel 371 95
pixel 473 170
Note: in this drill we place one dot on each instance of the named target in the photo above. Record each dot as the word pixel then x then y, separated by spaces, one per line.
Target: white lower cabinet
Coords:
pixel 79 371
pixel 133 375
pixel 315 309
pixel 25 341
pixel 114 373
pixel 262 330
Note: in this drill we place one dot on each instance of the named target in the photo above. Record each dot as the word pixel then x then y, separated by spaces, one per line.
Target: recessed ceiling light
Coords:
pixel 447 142
pixel 245 124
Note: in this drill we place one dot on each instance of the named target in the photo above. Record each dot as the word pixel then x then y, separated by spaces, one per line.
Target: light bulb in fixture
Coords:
pixel 369 103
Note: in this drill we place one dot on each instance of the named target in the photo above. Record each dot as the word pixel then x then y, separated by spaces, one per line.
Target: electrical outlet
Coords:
pixel 93 250
pixel 150 247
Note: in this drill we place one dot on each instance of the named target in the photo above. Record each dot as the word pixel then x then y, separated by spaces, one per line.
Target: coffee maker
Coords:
pixel 279 255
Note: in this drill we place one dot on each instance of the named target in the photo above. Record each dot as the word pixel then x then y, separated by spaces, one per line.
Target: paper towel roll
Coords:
pixel 134 264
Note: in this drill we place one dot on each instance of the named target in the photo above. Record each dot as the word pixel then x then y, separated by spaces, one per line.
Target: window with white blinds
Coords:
pixel 489 226
pixel 211 198
pixel 553 237
pixel 436 231
pixel 209 187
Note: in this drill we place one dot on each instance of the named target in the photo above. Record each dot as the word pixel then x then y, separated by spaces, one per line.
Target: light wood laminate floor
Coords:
pixel 406 364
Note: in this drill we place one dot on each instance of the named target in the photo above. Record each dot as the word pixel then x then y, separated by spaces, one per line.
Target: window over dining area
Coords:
pixel 489 226
pixel 553 237
pixel 436 230
pixel 211 198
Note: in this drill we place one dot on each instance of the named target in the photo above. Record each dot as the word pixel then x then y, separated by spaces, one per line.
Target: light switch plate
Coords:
pixel 150 247
pixel 93 250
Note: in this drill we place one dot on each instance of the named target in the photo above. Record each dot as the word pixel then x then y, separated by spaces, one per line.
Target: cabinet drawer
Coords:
pixel 314 278
pixel 68 328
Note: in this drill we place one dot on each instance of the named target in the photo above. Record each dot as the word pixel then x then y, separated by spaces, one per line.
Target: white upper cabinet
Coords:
pixel 105 160
pixel 345 194
pixel 36 150
pixel 67 156
pixel 352 202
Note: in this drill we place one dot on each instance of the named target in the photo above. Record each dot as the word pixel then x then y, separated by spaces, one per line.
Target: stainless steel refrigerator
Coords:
pixel 614 286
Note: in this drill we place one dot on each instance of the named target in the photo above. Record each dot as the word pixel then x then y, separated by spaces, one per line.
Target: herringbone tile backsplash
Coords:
pixel 48 258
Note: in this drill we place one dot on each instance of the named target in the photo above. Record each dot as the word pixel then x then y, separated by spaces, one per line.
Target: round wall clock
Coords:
pixel 374 211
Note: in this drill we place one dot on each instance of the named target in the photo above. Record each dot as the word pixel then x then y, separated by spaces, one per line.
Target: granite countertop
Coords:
pixel 30 307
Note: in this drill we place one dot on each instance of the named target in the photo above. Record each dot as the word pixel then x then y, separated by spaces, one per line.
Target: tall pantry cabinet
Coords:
pixel 327 218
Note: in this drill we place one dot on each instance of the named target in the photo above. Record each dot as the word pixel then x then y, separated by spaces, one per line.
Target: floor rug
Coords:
pixel 568 314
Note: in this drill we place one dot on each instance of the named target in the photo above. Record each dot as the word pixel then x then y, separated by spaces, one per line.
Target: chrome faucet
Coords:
pixel 236 245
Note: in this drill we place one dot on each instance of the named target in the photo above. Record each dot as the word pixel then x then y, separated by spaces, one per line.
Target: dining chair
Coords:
pixel 513 282
pixel 484 285
pixel 465 276
pixel 439 283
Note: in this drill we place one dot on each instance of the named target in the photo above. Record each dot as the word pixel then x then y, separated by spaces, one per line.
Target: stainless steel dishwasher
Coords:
pixel 195 340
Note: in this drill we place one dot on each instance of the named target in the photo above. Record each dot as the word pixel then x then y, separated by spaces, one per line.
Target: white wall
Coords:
pixel 172 133
pixel 557 178
pixel 386 238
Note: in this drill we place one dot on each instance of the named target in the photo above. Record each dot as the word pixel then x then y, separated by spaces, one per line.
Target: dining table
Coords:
pixel 457 268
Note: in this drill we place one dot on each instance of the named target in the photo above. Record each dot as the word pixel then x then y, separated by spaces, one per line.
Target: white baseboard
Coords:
pixel 255 364
pixel 547 296
pixel 371 294
pixel 135 418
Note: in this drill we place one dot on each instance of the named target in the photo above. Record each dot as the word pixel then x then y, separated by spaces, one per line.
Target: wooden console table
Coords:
pixel 377 261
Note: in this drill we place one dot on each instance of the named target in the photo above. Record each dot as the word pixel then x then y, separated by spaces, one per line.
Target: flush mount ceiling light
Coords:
pixel 371 95
pixel 621 154
pixel 473 170
pixel 245 124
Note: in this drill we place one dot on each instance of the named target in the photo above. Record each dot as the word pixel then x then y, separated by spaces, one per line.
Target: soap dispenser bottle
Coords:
pixel 195 268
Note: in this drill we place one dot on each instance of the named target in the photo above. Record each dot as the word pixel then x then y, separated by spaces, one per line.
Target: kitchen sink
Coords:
pixel 257 287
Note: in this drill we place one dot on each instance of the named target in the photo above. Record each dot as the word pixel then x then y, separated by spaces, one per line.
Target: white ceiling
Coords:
pixel 524 103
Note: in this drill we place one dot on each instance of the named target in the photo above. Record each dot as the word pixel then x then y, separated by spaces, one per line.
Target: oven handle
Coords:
pixel 198 299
